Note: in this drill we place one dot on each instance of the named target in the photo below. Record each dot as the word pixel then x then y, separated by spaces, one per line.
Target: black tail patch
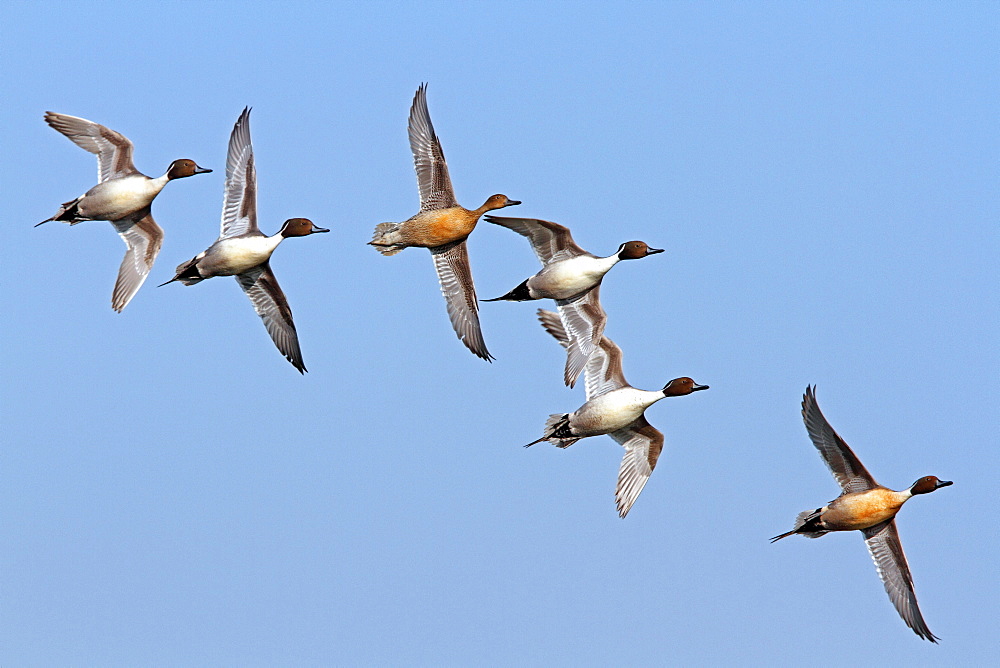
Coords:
pixel 563 430
pixel 518 294
pixel 187 274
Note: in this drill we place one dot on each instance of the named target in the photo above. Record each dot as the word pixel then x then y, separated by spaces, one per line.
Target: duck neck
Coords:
pixel 274 240
pixel 269 243
pixel 158 183
pixel 602 265
pixel 611 260
pixel 650 397
pixel 902 496
pixel 483 209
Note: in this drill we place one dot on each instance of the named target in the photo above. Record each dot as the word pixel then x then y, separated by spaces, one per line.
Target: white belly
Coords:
pixel 612 411
pixel 119 198
pixel 566 278
pixel 229 257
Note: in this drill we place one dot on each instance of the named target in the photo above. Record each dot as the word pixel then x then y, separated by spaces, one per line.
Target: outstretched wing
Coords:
pixel 554 326
pixel 551 241
pixel 643 444
pixel 143 237
pixel 239 202
pixel 841 460
pixel 584 319
pixel 578 328
pixel 113 150
pixel 887 553
pixel 428 158
pixel 269 301
pixel 603 372
pixel 452 264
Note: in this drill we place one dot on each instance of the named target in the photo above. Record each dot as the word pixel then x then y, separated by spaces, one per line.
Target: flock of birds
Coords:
pixel 570 275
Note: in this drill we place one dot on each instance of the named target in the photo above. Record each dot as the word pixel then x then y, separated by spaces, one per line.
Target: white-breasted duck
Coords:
pixel 572 277
pixel 615 408
pixel 244 252
pixel 441 226
pixel 866 506
pixel 122 196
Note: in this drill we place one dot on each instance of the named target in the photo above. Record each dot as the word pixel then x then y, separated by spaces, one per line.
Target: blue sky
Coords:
pixel 823 178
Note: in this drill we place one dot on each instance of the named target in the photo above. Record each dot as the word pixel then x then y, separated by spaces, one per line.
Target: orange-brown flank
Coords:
pixel 440 226
pixel 862 509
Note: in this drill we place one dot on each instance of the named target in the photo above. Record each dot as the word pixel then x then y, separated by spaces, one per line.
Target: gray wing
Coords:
pixel 143 238
pixel 841 460
pixel 584 319
pixel 428 158
pixel 551 241
pixel 269 301
pixel 603 372
pixel 577 356
pixel 239 202
pixel 452 264
pixel 887 553
pixel 643 444
pixel 554 326
pixel 113 150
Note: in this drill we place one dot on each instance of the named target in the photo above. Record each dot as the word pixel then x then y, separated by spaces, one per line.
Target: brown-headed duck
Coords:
pixel 615 408
pixel 866 506
pixel 244 252
pixel 123 197
pixel 572 277
pixel 441 226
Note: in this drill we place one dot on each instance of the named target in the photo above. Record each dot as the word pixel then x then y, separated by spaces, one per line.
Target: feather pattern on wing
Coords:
pixel 113 150
pixel 887 553
pixel 584 319
pixel 850 473
pixel 603 372
pixel 643 444
pixel 269 301
pixel 452 264
pixel 239 203
pixel 554 326
pixel 428 157
pixel 551 241
pixel 143 237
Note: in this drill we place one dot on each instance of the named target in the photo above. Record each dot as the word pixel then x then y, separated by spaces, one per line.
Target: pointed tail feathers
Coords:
pixel 67 213
pixel 384 239
pixel 557 430
pixel 186 273
pixel 518 294
pixel 807 523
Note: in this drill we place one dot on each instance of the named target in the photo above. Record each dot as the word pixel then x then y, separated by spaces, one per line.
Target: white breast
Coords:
pixel 235 256
pixel 566 278
pixel 118 198
pixel 612 411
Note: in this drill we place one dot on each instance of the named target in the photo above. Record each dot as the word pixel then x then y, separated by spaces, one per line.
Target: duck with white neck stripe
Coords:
pixel 243 251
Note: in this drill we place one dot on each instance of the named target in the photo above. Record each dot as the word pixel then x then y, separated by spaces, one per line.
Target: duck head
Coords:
pixel 928 484
pixel 498 202
pixel 678 387
pixel 299 227
pixel 181 168
pixel 635 250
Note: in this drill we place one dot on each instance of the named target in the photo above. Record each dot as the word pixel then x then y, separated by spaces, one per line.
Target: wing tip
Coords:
pixel 482 353
pixel 420 100
pixel 294 357
pixel 808 399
